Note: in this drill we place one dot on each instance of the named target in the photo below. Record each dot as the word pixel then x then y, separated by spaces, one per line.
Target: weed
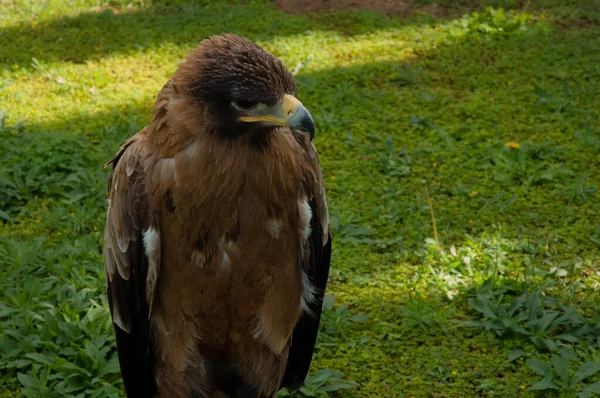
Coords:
pixel 324 381
pixel 494 21
pixel 560 373
pixel 530 315
pixel 407 74
pixel 565 102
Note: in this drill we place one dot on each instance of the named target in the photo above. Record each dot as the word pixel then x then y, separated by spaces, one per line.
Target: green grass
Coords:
pixel 405 109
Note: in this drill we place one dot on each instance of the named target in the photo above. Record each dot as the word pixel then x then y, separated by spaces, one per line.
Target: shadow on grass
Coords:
pixel 93 35
pixel 381 133
pixel 123 31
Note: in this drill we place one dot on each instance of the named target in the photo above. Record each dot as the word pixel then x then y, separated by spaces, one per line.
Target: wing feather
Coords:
pixel 127 267
pixel 315 260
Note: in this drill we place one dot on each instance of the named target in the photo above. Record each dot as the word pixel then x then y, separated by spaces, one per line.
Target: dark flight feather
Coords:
pixel 126 216
pixel 305 333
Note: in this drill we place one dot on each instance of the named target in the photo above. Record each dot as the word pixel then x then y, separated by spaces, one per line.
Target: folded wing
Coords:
pixel 315 260
pixel 130 267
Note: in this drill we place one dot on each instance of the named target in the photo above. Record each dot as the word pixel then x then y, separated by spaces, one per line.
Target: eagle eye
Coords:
pixel 244 105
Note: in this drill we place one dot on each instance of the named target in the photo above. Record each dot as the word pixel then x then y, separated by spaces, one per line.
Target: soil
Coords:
pixel 389 7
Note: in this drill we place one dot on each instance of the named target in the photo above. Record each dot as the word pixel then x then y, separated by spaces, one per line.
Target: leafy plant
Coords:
pixel 5 128
pixel 557 378
pixel 497 22
pixel 578 191
pixel 347 231
pixel 393 163
pixel 420 314
pixel 334 320
pixel 322 382
pixel 588 138
pixel 407 74
pixel 52 166
pixel 530 315
pixel 528 165
pixel 564 102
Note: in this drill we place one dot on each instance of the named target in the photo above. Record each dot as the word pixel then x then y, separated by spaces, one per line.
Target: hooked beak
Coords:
pixel 289 112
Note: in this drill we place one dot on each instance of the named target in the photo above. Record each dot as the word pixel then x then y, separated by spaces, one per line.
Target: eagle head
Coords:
pixel 246 88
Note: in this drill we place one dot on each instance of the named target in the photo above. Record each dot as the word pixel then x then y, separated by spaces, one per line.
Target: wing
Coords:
pixel 127 264
pixel 315 264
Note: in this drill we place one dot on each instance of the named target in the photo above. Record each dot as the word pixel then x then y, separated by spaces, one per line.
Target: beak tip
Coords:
pixel 303 120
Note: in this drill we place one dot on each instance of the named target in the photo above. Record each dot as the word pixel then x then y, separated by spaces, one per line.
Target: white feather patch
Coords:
pixel 309 295
pixel 151 239
pixel 229 249
pixel 226 260
pixel 198 258
pixel 274 227
pixel 228 245
pixel 305 217
pixel 326 220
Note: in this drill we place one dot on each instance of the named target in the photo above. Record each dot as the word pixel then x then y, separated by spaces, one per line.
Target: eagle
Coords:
pixel 217 242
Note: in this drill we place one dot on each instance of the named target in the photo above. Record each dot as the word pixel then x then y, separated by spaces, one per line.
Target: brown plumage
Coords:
pixel 217 241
